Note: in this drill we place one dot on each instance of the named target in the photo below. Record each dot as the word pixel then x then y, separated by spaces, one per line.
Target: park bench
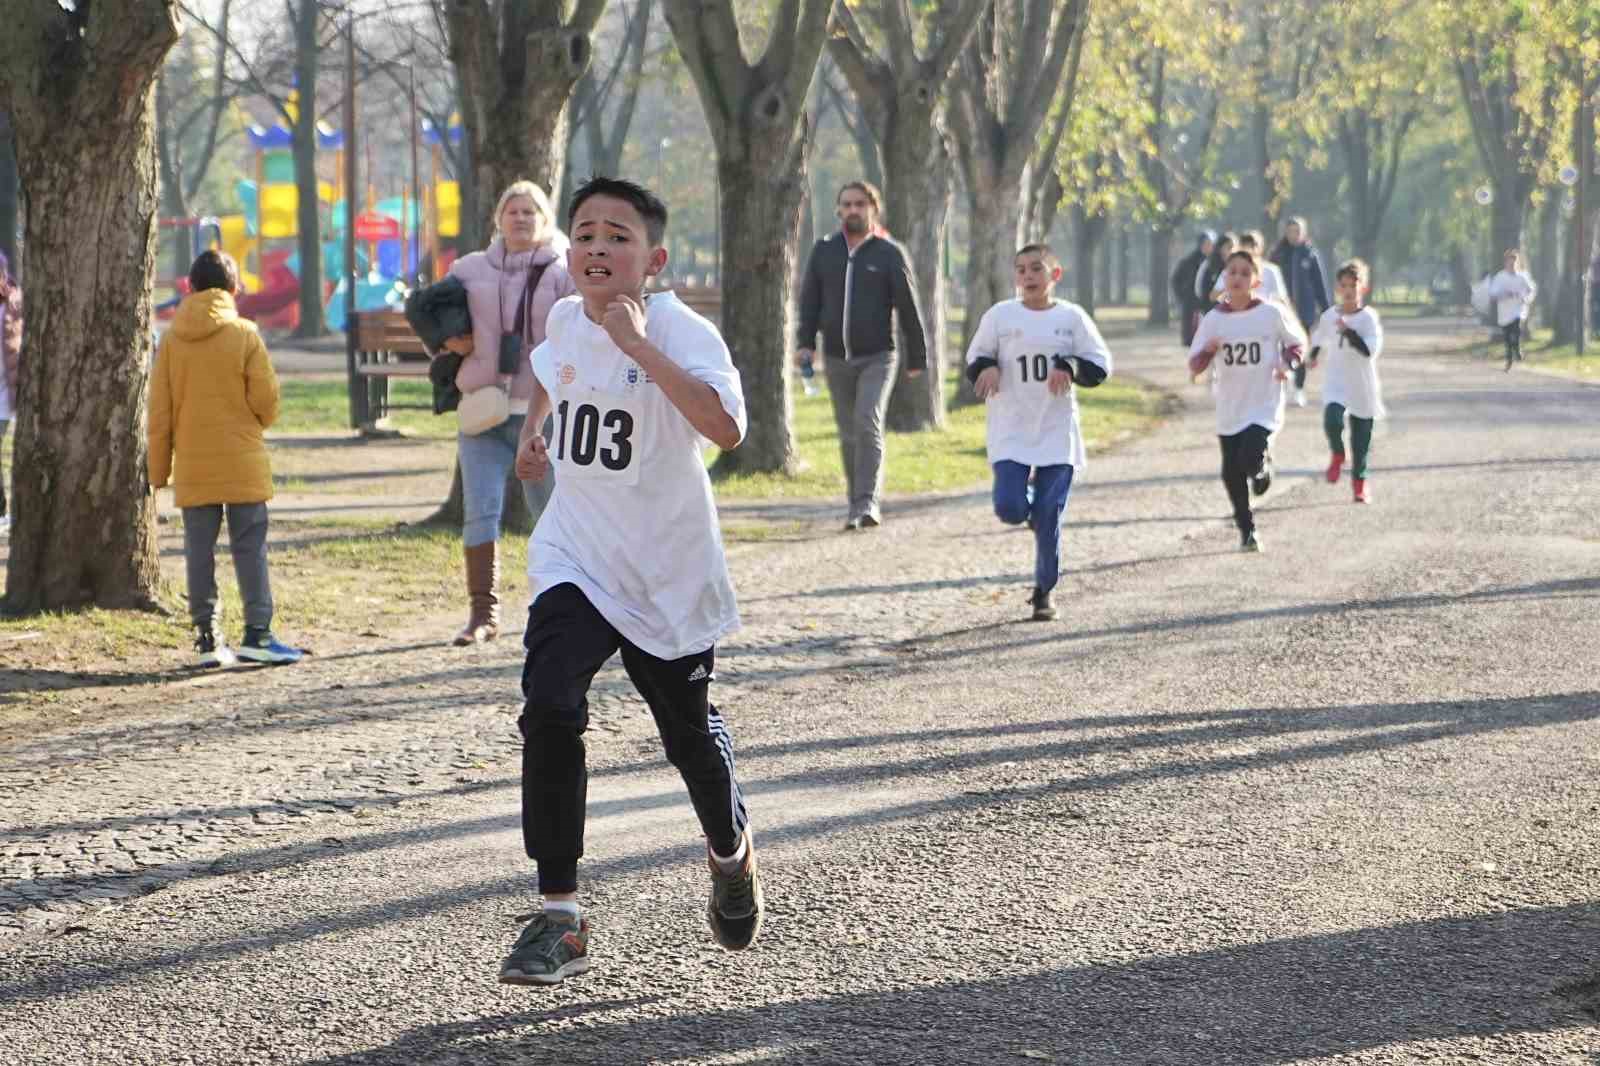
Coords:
pixel 380 345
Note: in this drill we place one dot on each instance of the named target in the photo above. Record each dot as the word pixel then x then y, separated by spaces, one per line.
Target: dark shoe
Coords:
pixel 483 576
pixel 1250 542
pixel 736 900
pixel 260 646
pixel 212 649
pixel 550 949
pixel 870 521
pixel 1261 480
pixel 1044 609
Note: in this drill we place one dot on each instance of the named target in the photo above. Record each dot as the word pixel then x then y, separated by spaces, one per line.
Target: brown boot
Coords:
pixel 483 578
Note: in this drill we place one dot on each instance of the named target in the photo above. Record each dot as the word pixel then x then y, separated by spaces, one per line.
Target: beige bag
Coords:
pixel 483 409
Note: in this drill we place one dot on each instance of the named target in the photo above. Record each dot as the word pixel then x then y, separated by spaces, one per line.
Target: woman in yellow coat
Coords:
pixel 213 394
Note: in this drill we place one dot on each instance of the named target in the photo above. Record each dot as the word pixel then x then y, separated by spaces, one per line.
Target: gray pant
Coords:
pixel 860 390
pixel 247 540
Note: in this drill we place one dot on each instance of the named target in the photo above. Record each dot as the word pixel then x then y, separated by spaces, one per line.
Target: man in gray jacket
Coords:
pixel 855 281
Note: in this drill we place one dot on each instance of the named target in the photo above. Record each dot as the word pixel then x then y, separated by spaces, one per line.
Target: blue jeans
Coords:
pixel 1046 505
pixel 486 462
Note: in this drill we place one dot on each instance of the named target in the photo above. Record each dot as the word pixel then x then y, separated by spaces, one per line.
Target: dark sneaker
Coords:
pixel 1044 609
pixel 260 646
pixel 1261 480
pixel 211 649
pixel 870 521
pixel 1250 542
pixel 736 901
pixel 549 949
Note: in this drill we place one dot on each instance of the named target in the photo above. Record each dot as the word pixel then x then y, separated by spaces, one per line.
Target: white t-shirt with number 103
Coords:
pixel 1250 351
pixel 1026 423
pixel 632 522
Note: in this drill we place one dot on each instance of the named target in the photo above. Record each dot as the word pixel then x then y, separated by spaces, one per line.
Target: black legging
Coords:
pixel 1513 336
pixel 1242 456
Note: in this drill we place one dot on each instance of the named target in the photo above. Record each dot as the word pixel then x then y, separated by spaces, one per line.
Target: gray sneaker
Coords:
pixel 736 901
pixel 550 949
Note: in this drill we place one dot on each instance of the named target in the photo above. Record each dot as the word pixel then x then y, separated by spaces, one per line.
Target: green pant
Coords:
pixel 1360 436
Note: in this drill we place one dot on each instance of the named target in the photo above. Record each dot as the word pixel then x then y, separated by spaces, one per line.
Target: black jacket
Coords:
pixel 879 279
pixel 1183 279
pixel 438 312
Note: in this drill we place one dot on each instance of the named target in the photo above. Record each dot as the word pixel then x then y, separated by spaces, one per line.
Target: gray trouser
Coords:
pixel 860 389
pixel 247 540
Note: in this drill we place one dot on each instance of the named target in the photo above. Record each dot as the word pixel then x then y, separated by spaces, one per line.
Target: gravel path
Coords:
pixel 1335 803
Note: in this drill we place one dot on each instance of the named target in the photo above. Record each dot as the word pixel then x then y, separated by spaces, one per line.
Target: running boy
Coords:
pixel 1272 286
pixel 1513 292
pixel 1249 344
pixel 1025 358
pixel 627 555
pixel 1352 336
pixel 213 394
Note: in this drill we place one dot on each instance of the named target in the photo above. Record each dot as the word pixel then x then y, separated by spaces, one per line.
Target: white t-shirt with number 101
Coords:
pixel 632 522
pixel 1250 347
pixel 1027 424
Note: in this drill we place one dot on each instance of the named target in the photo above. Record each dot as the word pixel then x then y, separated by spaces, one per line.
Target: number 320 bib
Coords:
pixel 597 436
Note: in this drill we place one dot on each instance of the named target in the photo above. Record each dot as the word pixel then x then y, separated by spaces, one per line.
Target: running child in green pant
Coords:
pixel 1352 338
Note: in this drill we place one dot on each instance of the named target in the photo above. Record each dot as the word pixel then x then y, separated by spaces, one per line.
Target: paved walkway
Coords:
pixel 1335 803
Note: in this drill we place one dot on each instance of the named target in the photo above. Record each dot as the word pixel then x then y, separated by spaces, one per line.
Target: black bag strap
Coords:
pixel 535 275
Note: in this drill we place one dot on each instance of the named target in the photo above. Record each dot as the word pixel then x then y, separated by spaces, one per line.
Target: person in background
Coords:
pixel 1308 287
pixel 10 359
pixel 1184 281
pixel 213 393
pixel 1513 293
pixel 1208 283
pixel 523 270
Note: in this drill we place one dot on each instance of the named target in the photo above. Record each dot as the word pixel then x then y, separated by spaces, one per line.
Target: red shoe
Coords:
pixel 1335 464
pixel 1360 484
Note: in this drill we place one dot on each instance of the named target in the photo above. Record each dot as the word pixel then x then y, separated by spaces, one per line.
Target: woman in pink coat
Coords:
pixel 528 253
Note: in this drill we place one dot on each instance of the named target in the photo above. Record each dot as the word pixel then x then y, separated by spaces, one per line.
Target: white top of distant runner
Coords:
pixel 1026 423
pixel 1253 341
pixel 1350 378
pixel 632 521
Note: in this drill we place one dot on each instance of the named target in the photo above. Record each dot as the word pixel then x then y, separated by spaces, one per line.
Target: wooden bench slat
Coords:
pixel 393 370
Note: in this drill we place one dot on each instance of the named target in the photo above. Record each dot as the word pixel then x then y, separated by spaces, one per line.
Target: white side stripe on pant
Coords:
pixel 719 730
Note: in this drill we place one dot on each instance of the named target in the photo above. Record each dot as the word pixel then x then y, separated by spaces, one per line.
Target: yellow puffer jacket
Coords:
pixel 212 393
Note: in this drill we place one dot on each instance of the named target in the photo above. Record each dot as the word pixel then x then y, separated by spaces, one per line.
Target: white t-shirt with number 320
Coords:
pixel 632 521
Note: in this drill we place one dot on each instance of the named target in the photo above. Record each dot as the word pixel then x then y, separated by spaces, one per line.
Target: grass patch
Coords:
pixel 953 458
pixel 1540 353
pixel 322 405
pixel 64 638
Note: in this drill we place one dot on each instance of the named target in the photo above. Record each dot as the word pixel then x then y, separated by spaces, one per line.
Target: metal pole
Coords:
pixel 416 182
pixel 358 387
pixel 1585 167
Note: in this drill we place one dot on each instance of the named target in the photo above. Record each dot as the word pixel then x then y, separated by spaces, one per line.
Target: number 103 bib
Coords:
pixel 597 436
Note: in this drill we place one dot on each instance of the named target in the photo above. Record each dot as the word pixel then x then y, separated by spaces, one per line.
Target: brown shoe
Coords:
pixel 483 574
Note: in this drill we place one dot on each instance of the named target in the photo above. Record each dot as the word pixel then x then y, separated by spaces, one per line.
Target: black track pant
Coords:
pixel 1512 332
pixel 568 641
pixel 1242 455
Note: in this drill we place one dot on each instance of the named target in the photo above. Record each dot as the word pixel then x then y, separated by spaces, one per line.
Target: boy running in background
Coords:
pixel 1272 286
pixel 1249 344
pixel 627 556
pixel 1352 337
pixel 1025 358
pixel 1513 292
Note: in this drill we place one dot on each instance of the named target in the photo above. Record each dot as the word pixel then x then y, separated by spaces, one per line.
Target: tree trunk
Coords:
pixel 916 211
pixel 1547 261
pixel 1124 269
pixel 307 217
pixel 1087 230
pixel 760 229
pixel 83 519
pixel 514 515
pixel 1506 232
pixel 994 207
pixel 1460 277
pixel 1160 275
pixel 8 195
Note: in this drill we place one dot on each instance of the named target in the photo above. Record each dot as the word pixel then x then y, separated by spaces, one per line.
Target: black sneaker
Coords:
pixel 549 949
pixel 1250 542
pixel 211 649
pixel 260 646
pixel 870 521
pixel 1261 481
pixel 1044 610
pixel 736 900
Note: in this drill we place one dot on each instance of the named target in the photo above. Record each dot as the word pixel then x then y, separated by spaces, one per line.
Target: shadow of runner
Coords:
pixel 1253 1005
pixel 1392 727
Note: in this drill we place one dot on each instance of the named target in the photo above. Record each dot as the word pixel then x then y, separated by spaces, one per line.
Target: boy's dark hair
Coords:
pixel 1354 268
pixel 1228 237
pixel 1253 238
pixel 1247 256
pixel 1043 251
pixel 648 204
pixel 214 270
pixel 865 188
